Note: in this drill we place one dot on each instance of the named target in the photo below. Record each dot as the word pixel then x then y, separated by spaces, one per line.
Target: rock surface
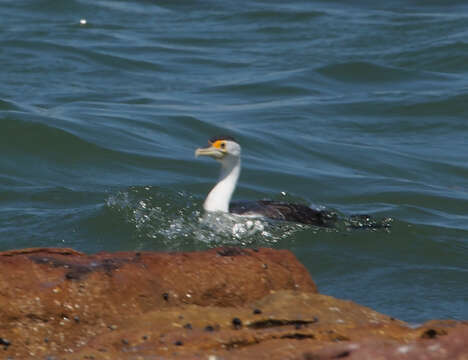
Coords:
pixel 224 303
pixel 431 345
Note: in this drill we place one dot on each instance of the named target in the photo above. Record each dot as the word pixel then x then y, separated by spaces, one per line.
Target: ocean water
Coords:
pixel 346 105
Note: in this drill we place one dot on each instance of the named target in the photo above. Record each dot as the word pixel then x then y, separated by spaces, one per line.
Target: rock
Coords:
pixel 44 291
pixel 289 318
pixel 218 304
pixel 451 346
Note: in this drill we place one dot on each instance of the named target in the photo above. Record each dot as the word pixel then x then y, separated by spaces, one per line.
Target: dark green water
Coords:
pixel 357 108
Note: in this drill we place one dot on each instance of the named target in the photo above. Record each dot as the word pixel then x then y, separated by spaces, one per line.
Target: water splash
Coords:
pixel 173 220
pixel 176 220
pixel 367 222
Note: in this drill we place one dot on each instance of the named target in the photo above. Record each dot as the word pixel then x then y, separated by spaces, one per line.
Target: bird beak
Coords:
pixel 211 151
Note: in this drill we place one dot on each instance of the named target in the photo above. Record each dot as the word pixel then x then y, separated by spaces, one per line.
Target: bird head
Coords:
pixel 220 148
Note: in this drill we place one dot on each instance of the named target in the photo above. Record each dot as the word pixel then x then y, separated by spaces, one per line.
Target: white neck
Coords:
pixel 220 196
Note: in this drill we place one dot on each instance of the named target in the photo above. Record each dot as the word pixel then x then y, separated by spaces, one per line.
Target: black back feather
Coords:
pixel 278 210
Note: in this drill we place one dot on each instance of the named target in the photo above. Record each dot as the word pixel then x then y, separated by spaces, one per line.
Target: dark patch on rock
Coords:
pixel 257 311
pixel 54 251
pixel 432 334
pixel 298 336
pixel 109 265
pixel 269 323
pixel 76 271
pixel 188 326
pixel 4 342
pixel 236 344
pixel 236 323
pixel 209 328
pixel 165 296
pixel 230 251
pixel 339 338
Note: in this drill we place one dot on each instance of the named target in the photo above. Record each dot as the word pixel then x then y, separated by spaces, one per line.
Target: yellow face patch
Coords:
pixel 219 144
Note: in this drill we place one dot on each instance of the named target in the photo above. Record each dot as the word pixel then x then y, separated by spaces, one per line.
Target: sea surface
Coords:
pixel 353 106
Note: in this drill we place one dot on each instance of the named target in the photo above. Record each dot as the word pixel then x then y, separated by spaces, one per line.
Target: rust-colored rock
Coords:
pixel 222 303
pixel 223 277
pixel 287 319
pixel 450 344
pixel 52 299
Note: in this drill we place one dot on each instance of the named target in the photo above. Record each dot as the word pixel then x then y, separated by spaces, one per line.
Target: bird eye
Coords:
pixel 223 145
